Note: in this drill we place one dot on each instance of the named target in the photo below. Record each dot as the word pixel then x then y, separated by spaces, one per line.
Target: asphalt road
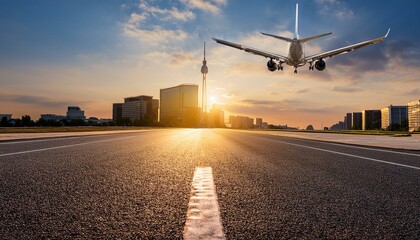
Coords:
pixel 138 185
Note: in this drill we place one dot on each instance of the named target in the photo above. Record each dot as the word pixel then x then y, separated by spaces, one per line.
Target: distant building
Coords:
pixel 371 120
pixel 414 116
pixel 99 121
pixel 264 125
pixel 394 116
pixel 7 116
pixel 75 113
pixel 356 121
pixel 179 106
pixel 216 117
pixel 139 108
pixel 52 117
pixel 241 122
pixel 117 112
pixel 310 128
pixel 340 126
pixel 258 123
pixel 349 121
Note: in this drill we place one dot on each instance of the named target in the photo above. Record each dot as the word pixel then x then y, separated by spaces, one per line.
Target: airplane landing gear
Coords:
pixel 295 70
pixel 280 68
pixel 311 67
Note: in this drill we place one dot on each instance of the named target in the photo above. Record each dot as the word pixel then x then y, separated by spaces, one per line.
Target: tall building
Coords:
pixel 356 121
pixel 140 108
pixel 258 123
pixel 179 106
pixel 75 113
pixel 394 117
pixel 349 122
pixel 371 120
pixel 216 117
pixel 414 116
pixel 117 112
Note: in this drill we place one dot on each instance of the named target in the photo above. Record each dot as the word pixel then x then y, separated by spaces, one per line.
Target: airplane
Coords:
pixel 296 57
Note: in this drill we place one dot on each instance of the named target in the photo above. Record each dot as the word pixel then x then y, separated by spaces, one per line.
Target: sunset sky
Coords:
pixel 93 53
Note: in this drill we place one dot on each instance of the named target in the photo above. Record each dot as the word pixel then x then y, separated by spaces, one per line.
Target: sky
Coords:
pixel 56 53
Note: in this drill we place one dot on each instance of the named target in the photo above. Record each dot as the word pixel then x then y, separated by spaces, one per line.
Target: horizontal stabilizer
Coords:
pixel 314 37
pixel 278 37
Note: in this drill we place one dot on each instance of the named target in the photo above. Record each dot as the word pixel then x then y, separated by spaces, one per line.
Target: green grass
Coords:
pixel 64 129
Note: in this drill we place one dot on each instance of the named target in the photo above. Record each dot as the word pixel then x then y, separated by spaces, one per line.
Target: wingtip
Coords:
pixel 386 35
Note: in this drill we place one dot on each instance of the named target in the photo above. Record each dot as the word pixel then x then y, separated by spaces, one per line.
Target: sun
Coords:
pixel 213 99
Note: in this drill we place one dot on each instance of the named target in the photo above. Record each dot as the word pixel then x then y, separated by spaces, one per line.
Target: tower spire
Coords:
pixel 204 71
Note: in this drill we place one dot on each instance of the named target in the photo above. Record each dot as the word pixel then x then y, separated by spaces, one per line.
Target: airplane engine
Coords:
pixel 320 65
pixel 272 66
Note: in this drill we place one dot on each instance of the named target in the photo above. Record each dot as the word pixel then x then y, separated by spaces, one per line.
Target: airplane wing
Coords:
pixel 252 50
pixel 344 50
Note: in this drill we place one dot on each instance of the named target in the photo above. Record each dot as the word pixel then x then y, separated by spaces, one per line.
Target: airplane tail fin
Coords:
pixel 278 37
pixel 314 37
pixel 296 20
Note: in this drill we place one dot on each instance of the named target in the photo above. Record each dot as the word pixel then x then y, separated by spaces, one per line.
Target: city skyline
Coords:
pixel 56 54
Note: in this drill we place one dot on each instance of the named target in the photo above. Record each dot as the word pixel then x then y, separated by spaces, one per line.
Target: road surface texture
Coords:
pixel 138 185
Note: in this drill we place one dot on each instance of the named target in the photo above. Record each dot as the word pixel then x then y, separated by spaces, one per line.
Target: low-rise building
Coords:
pixel 241 122
pixel 6 116
pixel 394 117
pixel 75 113
pixel 414 115
pixel 356 121
pixel 117 112
pixel 371 120
pixel 52 117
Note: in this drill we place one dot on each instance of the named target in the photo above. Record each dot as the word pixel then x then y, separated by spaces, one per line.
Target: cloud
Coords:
pixel 212 6
pixel 155 35
pixel 167 14
pixel 303 91
pixel 414 92
pixel 175 59
pixel 346 89
pixel 336 8
pixel 34 100
pixel 260 102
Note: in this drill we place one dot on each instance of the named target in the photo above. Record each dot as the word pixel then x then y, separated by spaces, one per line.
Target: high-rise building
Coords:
pixel 414 116
pixel 216 117
pixel 371 119
pixel 394 117
pixel 117 112
pixel 140 108
pixel 349 121
pixel 356 121
pixel 258 123
pixel 179 106
pixel 75 113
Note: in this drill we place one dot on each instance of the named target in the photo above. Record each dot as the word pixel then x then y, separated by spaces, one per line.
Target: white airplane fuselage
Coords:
pixel 296 57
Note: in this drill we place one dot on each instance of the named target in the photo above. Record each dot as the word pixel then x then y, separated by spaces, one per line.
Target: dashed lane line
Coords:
pixel 203 215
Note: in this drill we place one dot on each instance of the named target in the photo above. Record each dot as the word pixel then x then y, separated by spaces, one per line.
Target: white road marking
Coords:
pixel 38 140
pixel 203 215
pixel 64 146
pixel 347 154
pixel 358 147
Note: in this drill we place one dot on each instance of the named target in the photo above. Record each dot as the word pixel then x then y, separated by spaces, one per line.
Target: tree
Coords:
pixel 26 121
pixel 4 122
